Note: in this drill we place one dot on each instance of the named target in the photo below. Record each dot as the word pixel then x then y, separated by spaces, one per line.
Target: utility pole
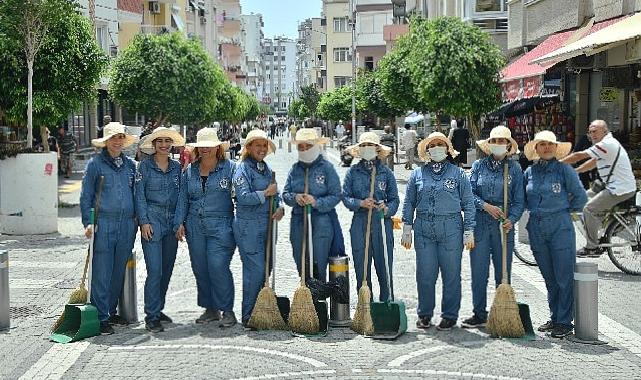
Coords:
pixel 353 82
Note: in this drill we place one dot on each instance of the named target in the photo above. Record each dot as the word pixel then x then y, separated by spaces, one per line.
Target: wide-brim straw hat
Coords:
pixel 562 148
pixel 162 132
pixel 369 138
pixel 208 138
pixel 308 136
pixel 422 146
pixel 112 129
pixel 500 132
pixel 259 134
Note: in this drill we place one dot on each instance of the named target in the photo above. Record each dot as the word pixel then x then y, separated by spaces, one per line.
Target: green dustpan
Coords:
pixel 389 317
pixel 81 321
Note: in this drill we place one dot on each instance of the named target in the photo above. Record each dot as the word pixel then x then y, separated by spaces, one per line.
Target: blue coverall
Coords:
pixel 438 198
pixel 325 186
pixel 116 229
pixel 553 191
pixel 251 178
pixel 207 215
pixel 486 179
pixel 156 199
pixel 355 189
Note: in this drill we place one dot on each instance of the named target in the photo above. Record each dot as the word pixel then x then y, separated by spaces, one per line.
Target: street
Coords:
pixel 44 269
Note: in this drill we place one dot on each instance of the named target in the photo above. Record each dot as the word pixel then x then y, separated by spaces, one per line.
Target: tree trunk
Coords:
pixel 30 103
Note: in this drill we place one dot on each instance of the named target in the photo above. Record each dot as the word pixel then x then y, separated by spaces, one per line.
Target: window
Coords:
pixel 342 55
pixel 490 6
pixel 341 24
pixel 341 81
pixel 369 63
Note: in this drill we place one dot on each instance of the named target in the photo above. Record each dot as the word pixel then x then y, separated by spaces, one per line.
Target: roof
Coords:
pixel 134 6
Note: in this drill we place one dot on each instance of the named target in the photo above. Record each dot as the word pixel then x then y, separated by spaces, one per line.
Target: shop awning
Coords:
pixel 615 34
pixel 521 68
pixel 523 106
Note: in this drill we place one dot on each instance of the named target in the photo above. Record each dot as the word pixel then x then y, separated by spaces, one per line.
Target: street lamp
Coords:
pixel 398 9
pixel 352 23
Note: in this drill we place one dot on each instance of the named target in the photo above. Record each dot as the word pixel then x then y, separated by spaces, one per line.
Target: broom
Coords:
pixel 79 294
pixel 302 316
pixel 504 319
pixel 362 322
pixel 266 315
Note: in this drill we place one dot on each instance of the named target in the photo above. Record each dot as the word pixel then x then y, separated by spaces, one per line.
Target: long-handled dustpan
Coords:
pixel 389 317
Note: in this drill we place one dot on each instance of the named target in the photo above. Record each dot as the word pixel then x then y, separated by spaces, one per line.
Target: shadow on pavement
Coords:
pixel 618 276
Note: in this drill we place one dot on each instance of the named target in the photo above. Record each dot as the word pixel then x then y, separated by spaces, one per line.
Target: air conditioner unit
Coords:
pixel 203 20
pixel 154 7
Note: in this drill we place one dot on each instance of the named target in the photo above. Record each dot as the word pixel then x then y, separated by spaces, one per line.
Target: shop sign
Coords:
pixel 522 88
pixel 511 90
pixel 551 87
pixel 531 86
pixel 608 94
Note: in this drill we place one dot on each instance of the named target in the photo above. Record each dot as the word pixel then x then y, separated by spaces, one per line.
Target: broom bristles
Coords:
pixel 78 296
pixel 504 319
pixel 302 316
pixel 266 315
pixel 362 322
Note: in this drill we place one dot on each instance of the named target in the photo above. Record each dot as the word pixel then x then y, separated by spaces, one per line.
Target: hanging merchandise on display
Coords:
pixel 545 116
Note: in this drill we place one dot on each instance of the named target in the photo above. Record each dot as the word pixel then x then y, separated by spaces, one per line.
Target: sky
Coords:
pixel 281 17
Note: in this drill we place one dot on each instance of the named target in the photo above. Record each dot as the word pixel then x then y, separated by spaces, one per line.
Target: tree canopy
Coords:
pixel 336 104
pixel 369 91
pixel 310 98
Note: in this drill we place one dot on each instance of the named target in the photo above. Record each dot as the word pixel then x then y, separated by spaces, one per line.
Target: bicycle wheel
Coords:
pixel 624 252
pixel 526 256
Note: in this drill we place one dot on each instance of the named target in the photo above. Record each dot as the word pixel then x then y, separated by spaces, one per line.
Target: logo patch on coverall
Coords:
pixel 320 179
pixel 556 187
pixel 138 176
pixel 450 183
pixel 239 181
pixel 382 185
pixel 224 183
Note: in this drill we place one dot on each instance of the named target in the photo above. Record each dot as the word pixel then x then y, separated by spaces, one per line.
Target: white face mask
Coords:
pixel 498 150
pixel 438 153
pixel 367 153
pixel 310 155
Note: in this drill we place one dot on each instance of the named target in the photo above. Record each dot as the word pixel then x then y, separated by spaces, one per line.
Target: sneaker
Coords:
pixel 105 328
pixel 154 326
pixel 118 320
pixel 589 252
pixel 561 331
pixel 165 318
pixel 446 324
pixel 228 319
pixel 424 323
pixel 547 326
pixel 209 315
pixel 473 322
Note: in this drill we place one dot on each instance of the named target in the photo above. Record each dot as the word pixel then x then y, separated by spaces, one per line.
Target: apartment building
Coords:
pixel 252 45
pixel 311 59
pixel 339 42
pixel 230 52
pixel 371 18
pixel 279 73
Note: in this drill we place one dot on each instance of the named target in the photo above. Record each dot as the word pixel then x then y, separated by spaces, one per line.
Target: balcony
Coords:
pixel 156 29
pixel 391 33
pixel 492 25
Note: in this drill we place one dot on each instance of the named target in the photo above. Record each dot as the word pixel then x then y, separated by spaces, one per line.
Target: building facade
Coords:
pixel 311 59
pixel 339 42
pixel 371 18
pixel 252 44
pixel 279 73
pixel 230 52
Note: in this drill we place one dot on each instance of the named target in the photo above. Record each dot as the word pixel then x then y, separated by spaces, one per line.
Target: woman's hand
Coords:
pixel 494 211
pixel 89 231
pixel 272 189
pixel 310 200
pixel 180 233
pixel 278 215
pixel 507 225
pixel 146 231
pixel 300 200
pixel 368 203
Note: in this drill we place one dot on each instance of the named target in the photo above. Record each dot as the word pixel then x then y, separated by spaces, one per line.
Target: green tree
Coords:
pixel 310 98
pixel 50 61
pixel 395 78
pixel 336 104
pixel 168 78
pixel 369 92
pixel 294 109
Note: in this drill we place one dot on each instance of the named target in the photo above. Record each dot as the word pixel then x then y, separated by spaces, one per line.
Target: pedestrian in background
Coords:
pixel 409 144
pixel 253 187
pixel 389 140
pixel 356 197
pixel 553 191
pixel 68 147
pixel 460 138
pixel 157 186
pixel 487 180
pixel 438 191
pixel 116 229
pixel 204 215
pixel 323 194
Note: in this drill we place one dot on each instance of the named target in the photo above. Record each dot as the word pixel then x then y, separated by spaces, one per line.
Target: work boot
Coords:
pixel 424 322
pixel 209 315
pixel 118 320
pixel 473 322
pixel 228 320
pixel 561 331
pixel 154 326
pixel 547 326
pixel 446 324
pixel 165 318
pixel 105 328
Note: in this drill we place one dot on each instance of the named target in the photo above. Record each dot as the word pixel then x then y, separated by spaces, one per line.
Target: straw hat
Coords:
pixel 112 129
pixel 369 138
pixel 422 146
pixel 500 132
pixel 259 134
pixel 562 148
pixel 208 138
pixel 309 136
pixel 162 132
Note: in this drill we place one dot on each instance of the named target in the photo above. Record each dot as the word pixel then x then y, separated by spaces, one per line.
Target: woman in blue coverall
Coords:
pixel 356 190
pixel 157 184
pixel 486 179
pixel 438 192
pixel 253 186
pixel 204 215
pixel 323 195
pixel 116 227
pixel 553 191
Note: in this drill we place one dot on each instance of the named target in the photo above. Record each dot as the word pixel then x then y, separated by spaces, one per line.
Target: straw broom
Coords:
pixel 266 315
pixel 504 319
pixel 362 322
pixel 302 316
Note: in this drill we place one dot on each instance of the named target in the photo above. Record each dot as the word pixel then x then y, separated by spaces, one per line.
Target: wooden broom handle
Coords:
pixel 101 181
pixel 268 248
pixel 504 280
pixel 368 229
pixel 302 253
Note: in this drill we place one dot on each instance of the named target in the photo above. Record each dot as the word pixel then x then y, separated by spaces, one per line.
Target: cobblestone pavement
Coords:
pixel 45 268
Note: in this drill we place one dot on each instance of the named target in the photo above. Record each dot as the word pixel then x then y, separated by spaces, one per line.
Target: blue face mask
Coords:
pixel 437 153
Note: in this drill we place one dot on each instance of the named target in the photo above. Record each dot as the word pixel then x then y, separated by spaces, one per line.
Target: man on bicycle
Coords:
pixel 613 165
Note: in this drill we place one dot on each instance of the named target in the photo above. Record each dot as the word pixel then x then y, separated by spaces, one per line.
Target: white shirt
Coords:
pixel 340 129
pixel 409 139
pixel 622 179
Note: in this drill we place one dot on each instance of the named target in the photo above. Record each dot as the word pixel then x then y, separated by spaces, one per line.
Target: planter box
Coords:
pixel 29 194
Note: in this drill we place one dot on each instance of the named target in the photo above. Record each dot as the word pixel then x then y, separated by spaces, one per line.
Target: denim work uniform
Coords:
pixel 325 186
pixel 553 191
pixel 438 192
pixel 355 189
pixel 156 199
pixel 486 179
pixel 116 229
pixel 207 213
pixel 251 178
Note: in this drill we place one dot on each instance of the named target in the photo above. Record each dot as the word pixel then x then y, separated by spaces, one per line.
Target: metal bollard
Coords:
pixel 331 143
pixel 280 143
pixel 5 318
pixel 127 305
pixel 339 312
pixel 289 147
pixel 586 303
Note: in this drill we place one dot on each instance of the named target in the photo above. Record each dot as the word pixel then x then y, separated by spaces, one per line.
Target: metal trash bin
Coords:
pixel 127 304
pixel 339 312
pixel 5 318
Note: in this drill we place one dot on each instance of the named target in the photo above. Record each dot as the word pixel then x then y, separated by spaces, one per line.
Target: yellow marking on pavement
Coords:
pixel 71 187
